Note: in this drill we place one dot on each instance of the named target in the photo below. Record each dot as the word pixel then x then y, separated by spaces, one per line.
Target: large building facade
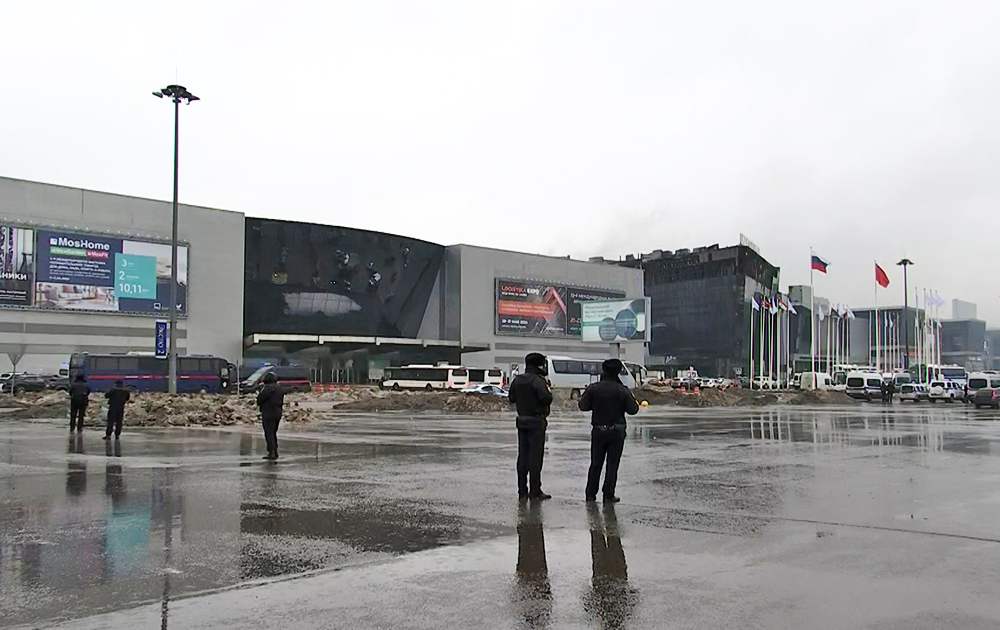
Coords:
pixel 702 305
pixel 342 302
pixel 62 251
pixel 349 303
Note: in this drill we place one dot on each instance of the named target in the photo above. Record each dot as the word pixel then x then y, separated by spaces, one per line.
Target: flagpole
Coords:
pixel 812 319
pixel 762 311
pixel 771 369
pixel 750 345
pixel 878 333
pixel 937 329
pixel 777 327
pixel 770 348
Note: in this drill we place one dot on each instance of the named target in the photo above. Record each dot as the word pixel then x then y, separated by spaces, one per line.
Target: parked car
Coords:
pixel 981 380
pixel 19 383
pixel 864 385
pixel 797 380
pixel 986 397
pixel 948 391
pixel 914 392
pixel 762 382
pixel 292 378
pixel 57 382
pixel 486 389
pixel 815 380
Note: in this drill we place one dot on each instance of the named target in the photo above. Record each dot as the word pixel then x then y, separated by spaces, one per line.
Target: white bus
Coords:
pixel 575 374
pixel 425 377
pixel 492 376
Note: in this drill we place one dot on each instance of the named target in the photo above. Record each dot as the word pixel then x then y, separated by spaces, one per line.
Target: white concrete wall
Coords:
pixel 479 269
pixel 214 323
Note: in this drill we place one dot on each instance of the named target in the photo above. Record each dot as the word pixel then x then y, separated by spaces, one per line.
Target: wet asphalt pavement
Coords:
pixel 859 517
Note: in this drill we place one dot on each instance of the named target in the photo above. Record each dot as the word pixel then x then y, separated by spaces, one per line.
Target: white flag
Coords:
pixel 756 304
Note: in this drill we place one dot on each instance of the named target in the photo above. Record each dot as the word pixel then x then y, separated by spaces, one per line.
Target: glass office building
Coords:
pixel 701 304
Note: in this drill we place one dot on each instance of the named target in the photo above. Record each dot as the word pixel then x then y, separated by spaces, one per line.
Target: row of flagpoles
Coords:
pixel 770 352
pixel 885 328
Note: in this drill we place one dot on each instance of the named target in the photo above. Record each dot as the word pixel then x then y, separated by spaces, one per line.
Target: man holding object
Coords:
pixel 608 401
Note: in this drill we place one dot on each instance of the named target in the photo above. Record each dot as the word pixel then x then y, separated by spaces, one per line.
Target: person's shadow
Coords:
pixel 611 599
pixel 76 472
pixel 532 592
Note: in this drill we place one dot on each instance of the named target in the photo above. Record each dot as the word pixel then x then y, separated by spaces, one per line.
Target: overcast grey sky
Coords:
pixel 868 130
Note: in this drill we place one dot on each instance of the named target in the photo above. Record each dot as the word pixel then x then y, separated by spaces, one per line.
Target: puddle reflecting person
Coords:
pixel 608 400
pixel 532 595
pixel 270 401
pixel 117 397
pixel 610 598
pixel 76 471
pixel 79 397
pixel 530 393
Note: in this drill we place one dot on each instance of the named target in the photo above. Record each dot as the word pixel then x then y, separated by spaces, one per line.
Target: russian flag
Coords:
pixel 819 264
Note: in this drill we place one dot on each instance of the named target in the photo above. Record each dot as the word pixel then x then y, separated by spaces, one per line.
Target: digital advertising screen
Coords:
pixel 616 321
pixel 17 265
pixel 530 308
pixel 576 297
pixel 75 271
pixel 544 309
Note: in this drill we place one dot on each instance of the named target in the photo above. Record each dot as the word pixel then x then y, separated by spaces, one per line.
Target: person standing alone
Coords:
pixel 79 397
pixel 608 400
pixel 270 401
pixel 530 393
pixel 117 397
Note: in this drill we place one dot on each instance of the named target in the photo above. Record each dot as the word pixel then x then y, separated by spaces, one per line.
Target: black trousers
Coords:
pixel 605 444
pixel 271 433
pixel 77 412
pixel 530 451
pixel 115 419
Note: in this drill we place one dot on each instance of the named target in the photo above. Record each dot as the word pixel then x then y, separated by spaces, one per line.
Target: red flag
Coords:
pixel 881 277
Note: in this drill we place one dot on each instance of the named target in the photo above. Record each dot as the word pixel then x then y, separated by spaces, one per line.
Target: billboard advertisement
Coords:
pixel 575 297
pixel 543 309
pixel 616 321
pixel 17 265
pixel 530 308
pixel 105 273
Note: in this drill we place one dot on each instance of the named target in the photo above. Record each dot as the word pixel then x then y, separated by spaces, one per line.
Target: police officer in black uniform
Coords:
pixel 79 396
pixel 271 401
pixel 530 393
pixel 117 397
pixel 608 401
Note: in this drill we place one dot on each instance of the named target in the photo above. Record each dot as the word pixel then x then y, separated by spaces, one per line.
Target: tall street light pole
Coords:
pixel 906 262
pixel 177 94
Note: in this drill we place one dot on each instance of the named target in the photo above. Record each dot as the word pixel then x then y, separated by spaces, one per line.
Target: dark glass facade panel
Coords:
pixel 317 279
pixel 700 306
pixel 967 335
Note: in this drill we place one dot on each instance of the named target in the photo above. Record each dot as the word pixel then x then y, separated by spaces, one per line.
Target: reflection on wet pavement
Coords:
pixel 532 593
pixel 90 526
pixel 610 599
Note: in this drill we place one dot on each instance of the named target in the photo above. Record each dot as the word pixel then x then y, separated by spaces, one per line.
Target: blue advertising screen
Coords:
pixel 104 273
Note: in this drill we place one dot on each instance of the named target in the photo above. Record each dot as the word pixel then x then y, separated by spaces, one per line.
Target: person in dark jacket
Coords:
pixel 79 396
pixel 270 401
pixel 117 397
pixel 608 400
pixel 530 393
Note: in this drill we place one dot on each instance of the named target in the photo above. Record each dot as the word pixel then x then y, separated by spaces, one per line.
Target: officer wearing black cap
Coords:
pixel 608 400
pixel 530 393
